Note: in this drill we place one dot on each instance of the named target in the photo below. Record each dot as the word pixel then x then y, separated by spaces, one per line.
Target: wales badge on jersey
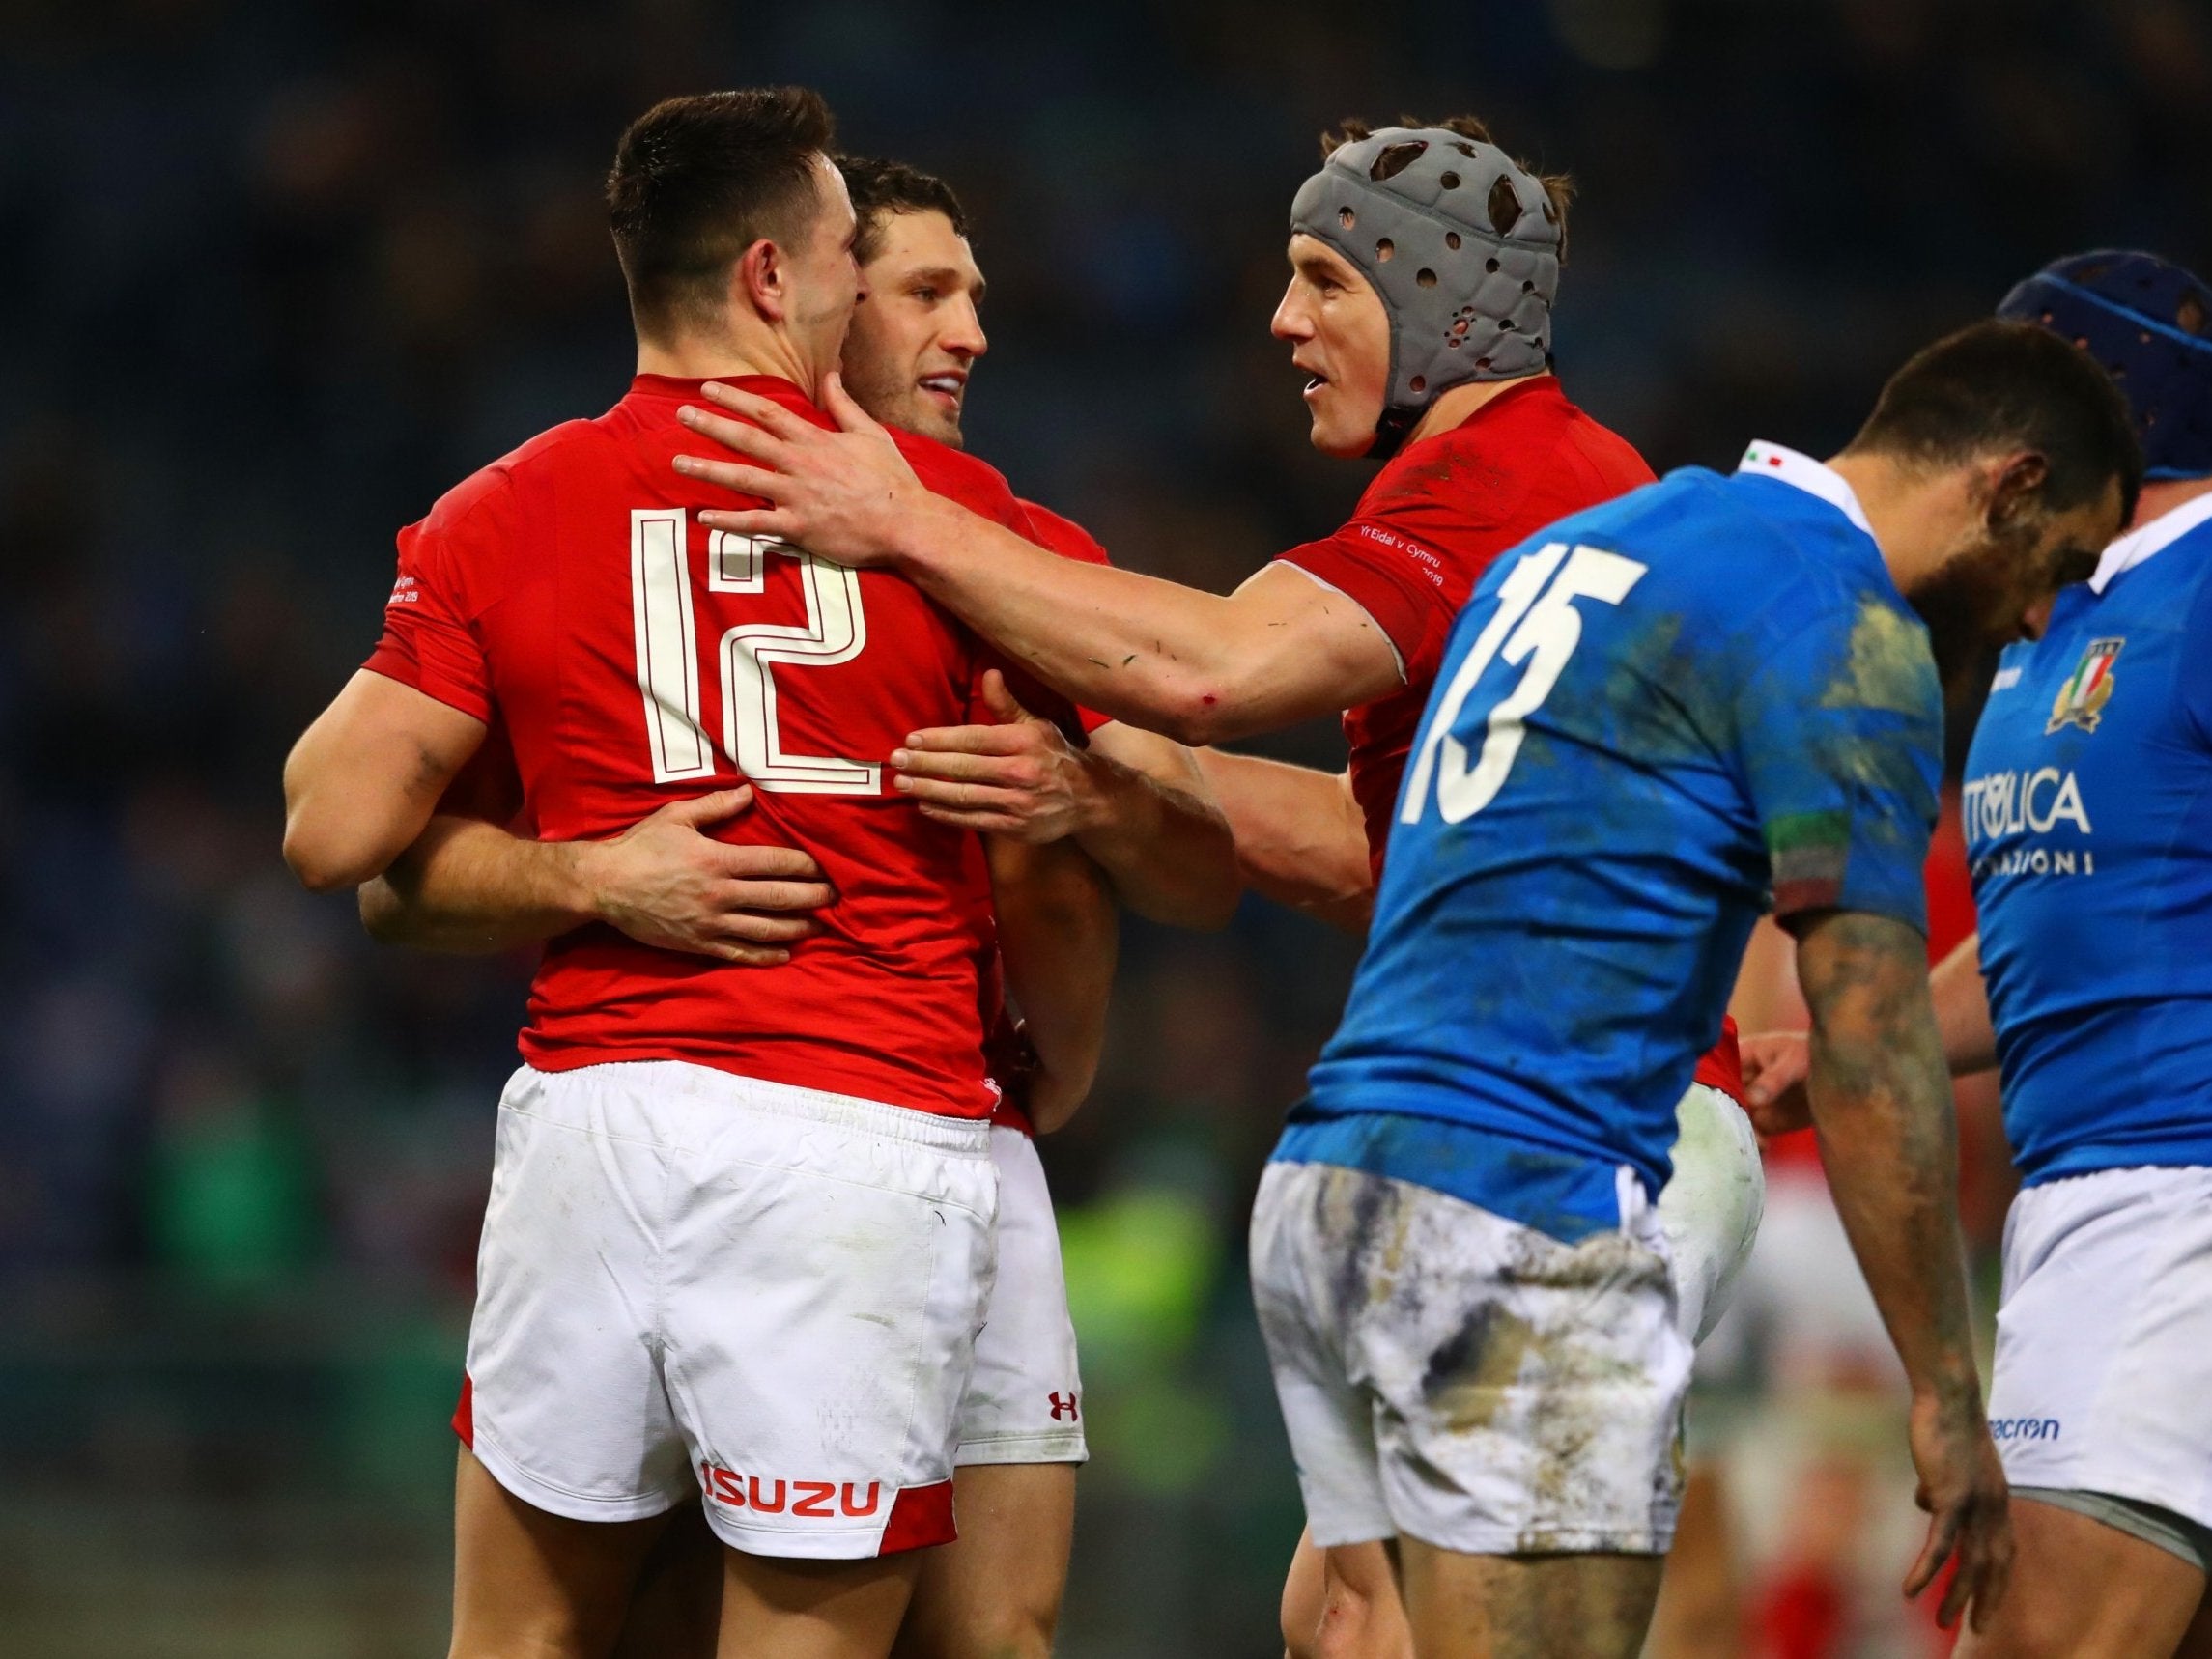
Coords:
pixel 2081 699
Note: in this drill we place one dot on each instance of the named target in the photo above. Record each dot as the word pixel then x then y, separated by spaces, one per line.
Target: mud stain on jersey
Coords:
pixel 1890 666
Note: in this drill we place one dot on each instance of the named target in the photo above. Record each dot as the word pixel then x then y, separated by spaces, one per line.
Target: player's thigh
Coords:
pixel 1526 1607
pixel 1698 1615
pixel 2084 1590
pixel 675 1606
pixel 776 1607
pixel 528 1583
pixel 995 1592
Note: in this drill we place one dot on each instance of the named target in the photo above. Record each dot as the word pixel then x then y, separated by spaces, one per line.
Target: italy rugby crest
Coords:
pixel 2081 699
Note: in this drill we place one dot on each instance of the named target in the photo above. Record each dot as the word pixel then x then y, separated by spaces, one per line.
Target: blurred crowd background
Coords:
pixel 272 276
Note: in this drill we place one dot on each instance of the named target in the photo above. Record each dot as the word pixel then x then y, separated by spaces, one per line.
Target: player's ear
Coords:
pixel 2014 487
pixel 760 280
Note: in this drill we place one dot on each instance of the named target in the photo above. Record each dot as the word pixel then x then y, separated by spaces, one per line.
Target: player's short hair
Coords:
pixel 1558 188
pixel 2000 385
pixel 881 189
pixel 697 181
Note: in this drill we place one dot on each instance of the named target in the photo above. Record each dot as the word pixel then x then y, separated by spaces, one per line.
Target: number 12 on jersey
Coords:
pixel 836 631
pixel 1534 624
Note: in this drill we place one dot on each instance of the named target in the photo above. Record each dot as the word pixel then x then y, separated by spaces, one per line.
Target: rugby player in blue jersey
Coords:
pixel 1655 718
pixel 2088 816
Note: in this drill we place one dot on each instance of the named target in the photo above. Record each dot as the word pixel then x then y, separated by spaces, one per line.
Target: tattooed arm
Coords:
pixel 1880 1100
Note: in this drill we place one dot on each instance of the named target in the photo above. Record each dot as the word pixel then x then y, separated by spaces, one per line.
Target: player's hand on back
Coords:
pixel 1019 778
pixel 842 495
pixel 1963 1489
pixel 665 882
pixel 1774 1068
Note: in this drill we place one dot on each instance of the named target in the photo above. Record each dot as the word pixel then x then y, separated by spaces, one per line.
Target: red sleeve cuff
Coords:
pixel 396 659
pixel 1394 578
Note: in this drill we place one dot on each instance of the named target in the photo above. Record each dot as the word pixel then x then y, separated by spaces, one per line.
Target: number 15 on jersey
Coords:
pixel 1536 622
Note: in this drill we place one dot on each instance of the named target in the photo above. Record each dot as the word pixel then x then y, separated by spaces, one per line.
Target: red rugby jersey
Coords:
pixel 1003 1052
pixel 1429 526
pixel 569 591
pixel 1070 540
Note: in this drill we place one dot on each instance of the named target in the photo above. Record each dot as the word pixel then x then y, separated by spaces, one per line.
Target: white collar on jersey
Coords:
pixel 2138 543
pixel 1813 477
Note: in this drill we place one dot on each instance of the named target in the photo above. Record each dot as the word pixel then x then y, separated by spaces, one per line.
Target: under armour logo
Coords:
pixel 1064 1407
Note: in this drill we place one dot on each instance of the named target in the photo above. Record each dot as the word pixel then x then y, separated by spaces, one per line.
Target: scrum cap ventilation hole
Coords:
pixel 1505 207
pixel 1394 159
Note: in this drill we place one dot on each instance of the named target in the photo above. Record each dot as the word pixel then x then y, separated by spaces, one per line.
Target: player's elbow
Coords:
pixel 1198 710
pixel 327 855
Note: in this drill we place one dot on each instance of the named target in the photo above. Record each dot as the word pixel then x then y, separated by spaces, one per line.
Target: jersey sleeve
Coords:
pixel 449 568
pixel 1841 729
pixel 1396 579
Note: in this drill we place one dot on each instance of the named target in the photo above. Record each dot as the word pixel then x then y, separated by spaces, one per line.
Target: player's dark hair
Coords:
pixel 697 181
pixel 1558 187
pixel 882 189
pixel 2000 385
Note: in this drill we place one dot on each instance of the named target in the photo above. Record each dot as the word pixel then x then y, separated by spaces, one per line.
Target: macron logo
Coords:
pixel 2024 1428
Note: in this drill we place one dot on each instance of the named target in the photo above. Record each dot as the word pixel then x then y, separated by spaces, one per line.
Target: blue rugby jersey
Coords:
pixel 1652 719
pixel 2088 818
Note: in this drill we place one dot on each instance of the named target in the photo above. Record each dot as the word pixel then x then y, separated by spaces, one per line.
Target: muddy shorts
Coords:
pixel 1452 1376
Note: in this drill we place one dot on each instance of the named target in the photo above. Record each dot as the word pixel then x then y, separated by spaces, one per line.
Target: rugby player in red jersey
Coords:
pixel 1133 800
pixel 741 1222
pixel 1431 355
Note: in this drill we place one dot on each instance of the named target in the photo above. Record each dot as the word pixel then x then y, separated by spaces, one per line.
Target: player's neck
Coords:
pixel 1457 407
pixel 726 355
pixel 1917 514
pixel 2162 495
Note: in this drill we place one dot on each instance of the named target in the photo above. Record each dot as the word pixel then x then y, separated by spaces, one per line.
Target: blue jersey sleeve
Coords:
pixel 1840 729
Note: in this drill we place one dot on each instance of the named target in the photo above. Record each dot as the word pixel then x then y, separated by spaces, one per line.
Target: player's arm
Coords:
pixel 1058 939
pixel 1961 1009
pixel 468 884
pixel 1134 800
pixel 1300 837
pixel 1198 666
pixel 1775 1062
pixel 1880 1100
pixel 365 776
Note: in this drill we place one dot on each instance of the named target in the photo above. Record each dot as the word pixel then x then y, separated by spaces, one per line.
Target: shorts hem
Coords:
pixel 1550 1541
pixel 1022 1448
pixel 2173 1531
pixel 792 1544
pixel 542 1494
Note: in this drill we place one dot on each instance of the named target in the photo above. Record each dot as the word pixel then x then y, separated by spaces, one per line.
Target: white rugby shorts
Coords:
pixel 2104 1338
pixel 1452 1376
pixel 1024 1403
pixel 1710 1206
pixel 691 1281
pixel 1457 1377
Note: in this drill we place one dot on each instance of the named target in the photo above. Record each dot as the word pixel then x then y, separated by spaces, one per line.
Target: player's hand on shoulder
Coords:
pixel 1019 777
pixel 665 882
pixel 1776 1065
pixel 842 495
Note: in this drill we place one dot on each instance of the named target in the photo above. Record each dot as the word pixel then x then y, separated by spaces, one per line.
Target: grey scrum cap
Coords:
pixel 1460 243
